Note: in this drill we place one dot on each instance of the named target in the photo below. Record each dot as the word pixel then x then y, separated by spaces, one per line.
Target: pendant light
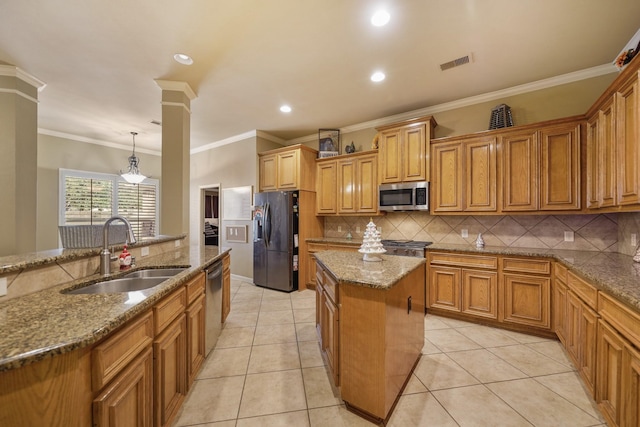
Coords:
pixel 133 175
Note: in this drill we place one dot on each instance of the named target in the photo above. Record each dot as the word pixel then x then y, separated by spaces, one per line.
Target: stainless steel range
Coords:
pixel 414 248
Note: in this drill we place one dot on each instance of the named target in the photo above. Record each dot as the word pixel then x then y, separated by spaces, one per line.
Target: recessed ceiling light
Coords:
pixel 183 59
pixel 378 76
pixel 380 18
pixel 285 109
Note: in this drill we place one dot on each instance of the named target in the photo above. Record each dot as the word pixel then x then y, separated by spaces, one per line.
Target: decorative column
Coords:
pixel 176 139
pixel 18 160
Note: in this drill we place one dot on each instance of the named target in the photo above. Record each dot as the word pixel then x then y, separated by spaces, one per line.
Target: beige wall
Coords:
pixel 55 153
pixel 232 165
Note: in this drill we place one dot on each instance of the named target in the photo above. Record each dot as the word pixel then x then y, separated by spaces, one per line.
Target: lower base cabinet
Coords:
pixel 170 371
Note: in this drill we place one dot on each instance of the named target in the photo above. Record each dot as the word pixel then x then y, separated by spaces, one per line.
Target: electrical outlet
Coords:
pixel 379 229
pixel 634 239
pixel 3 286
pixel 464 233
pixel 177 243
pixel 144 251
pixel 339 229
pixel 568 236
pixel 357 228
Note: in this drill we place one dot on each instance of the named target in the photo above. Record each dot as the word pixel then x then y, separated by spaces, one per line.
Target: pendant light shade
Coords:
pixel 133 174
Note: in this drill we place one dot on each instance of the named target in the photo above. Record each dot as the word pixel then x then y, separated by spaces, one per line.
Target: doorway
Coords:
pixel 210 214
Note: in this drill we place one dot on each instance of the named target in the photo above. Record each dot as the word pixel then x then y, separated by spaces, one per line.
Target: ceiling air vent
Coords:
pixel 456 62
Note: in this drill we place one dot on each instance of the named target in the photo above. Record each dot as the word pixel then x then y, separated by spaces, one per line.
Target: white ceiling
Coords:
pixel 100 59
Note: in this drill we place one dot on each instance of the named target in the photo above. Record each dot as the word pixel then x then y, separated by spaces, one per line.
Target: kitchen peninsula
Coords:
pixel 370 321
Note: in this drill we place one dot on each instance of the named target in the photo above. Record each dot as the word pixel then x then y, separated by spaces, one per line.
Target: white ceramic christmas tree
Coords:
pixel 371 245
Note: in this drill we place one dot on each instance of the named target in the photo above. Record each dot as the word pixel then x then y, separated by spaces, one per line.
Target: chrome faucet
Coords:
pixel 105 255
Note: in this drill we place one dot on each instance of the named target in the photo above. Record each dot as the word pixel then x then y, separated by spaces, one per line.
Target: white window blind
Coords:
pixel 88 198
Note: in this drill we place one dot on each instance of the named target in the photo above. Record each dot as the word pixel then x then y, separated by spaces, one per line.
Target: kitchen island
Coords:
pixel 370 321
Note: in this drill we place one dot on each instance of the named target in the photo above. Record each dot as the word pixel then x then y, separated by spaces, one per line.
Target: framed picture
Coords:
pixel 328 142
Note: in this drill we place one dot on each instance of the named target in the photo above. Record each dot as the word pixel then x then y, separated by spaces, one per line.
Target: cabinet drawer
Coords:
pixel 584 290
pixel 561 272
pixel 462 260
pixel 195 288
pixel 330 287
pixel 168 309
pixel 114 354
pixel 623 319
pixel 522 265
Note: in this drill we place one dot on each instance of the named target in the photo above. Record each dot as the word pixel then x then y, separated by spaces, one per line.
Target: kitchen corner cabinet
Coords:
pixel 347 184
pixel 404 150
pixel 287 168
pixel 464 175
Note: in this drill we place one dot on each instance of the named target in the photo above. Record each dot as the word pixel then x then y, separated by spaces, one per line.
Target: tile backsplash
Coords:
pixel 601 232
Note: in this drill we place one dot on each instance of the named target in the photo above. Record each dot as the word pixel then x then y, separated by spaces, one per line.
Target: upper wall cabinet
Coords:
pixel 613 145
pixel 404 150
pixel 288 168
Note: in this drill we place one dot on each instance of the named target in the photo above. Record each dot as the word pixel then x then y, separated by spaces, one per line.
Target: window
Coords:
pixel 88 198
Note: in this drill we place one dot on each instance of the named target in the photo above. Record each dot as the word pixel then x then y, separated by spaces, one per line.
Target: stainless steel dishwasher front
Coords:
pixel 213 294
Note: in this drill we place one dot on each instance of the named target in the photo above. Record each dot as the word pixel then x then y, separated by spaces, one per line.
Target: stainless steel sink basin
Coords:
pixel 156 272
pixel 127 284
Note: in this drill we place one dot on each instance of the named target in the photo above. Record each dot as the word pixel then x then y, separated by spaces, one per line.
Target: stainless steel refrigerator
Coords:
pixel 275 240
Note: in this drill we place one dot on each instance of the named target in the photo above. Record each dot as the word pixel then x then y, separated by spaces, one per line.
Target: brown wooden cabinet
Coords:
pixel 347 184
pixel 519 165
pixel 601 157
pixel 609 380
pixel 328 321
pixel 627 135
pixel 196 352
pixel 287 168
pixel 463 283
pixel 404 150
pixel 464 175
pixel 525 289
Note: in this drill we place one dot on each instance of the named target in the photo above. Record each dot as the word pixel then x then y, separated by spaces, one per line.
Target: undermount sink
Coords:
pixel 127 284
pixel 156 272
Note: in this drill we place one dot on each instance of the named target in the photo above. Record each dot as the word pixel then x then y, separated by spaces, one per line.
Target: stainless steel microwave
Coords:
pixel 406 196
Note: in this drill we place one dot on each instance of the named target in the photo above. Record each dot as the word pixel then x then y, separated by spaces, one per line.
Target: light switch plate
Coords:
pixel 3 286
pixel 177 243
pixel 144 251
pixel 568 236
pixel 464 233
pixel 339 228
pixel 357 228
pixel 634 239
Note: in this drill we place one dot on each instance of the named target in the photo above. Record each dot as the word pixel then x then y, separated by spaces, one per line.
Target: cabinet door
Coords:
pixel 367 184
pixel 288 170
pixel 447 178
pixel 170 372
pixel 559 310
pixel 480 293
pixel 347 186
pixel 594 145
pixel 631 386
pixel 390 152
pixel 588 333
pixel 127 400
pixel 326 184
pixel 312 271
pixel 414 153
pixel 526 300
pixel 573 327
pixel 560 167
pixel 268 173
pixel 195 339
pixel 480 175
pixel 628 121
pixel 444 288
pixel 331 336
pixel 609 376
pixel 519 172
pixel 607 184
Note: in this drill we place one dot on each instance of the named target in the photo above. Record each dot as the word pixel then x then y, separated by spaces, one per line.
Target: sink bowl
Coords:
pixel 127 284
pixel 155 272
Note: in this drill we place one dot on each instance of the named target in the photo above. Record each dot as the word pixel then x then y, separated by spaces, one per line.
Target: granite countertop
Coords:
pixel 48 322
pixel 11 263
pixel 614 273
pixel 348 267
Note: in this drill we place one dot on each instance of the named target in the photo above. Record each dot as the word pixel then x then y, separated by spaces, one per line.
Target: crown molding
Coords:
pixel 176 87
pixel 236 138
pixel 478 99
pixel 96 141
pixel 13 71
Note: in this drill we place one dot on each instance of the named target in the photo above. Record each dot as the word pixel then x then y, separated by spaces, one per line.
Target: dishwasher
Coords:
pixel 213 295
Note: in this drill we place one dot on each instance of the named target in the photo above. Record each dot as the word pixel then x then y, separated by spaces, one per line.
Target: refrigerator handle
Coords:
pixel 267 224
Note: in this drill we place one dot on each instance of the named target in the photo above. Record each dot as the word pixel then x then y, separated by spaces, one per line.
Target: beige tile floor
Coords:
pixel 266 370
